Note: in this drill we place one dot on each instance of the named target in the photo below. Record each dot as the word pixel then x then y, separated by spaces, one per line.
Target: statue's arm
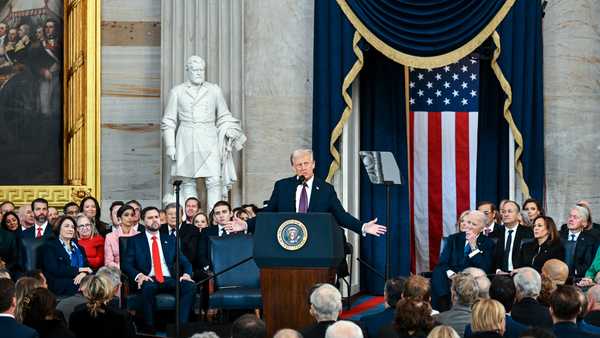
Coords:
pixel 169 124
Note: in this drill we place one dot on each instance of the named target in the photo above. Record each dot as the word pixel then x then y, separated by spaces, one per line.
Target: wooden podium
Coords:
pixel 294 252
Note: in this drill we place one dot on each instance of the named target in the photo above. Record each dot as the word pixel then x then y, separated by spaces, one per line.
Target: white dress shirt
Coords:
pixel 36 226
pixel 309 184
pixel 163 262
pixel 512 244
pixel 571 234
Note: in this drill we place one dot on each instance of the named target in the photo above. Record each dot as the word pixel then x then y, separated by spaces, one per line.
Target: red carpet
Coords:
pixel 364 305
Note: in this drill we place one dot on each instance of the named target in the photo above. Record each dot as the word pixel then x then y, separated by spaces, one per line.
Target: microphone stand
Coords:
pixel 176 185
pixel 224 270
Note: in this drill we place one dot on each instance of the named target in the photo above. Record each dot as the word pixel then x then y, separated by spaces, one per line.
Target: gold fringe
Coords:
pixel 339 127
pixel 508 115
pixel 429 61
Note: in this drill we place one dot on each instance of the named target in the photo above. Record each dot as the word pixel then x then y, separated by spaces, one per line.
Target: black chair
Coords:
pixel 130 300
pixel 31 253
pixel 238 288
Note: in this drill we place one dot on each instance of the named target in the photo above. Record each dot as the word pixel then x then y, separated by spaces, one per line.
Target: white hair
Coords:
pixel 478 214
pixel 287 333
pixel 300 152
pixel 208 334
pixel 326 302
pixel 343 329
pixel 583 213
pixel 528 283
pixel 112 273
pixel 482 280
pixel 195 59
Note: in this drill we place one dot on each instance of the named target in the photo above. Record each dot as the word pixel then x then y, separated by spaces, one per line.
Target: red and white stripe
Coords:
pixel 443 166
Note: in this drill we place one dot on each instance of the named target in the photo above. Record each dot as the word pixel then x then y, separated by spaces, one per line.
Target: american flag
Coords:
pixel 443 154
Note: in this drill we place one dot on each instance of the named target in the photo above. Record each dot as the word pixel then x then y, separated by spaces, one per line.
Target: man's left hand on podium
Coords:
pixel 373 228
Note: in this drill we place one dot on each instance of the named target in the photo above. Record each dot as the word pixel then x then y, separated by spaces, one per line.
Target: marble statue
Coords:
pixel 200 135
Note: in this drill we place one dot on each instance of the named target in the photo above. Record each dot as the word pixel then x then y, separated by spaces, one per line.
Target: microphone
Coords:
pixel 301 179
pixel 177 183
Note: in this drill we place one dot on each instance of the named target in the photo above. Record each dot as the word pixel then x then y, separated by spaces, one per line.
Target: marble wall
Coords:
pixel 572 104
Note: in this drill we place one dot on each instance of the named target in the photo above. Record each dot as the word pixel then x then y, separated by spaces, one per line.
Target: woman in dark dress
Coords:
pixel 39 313
pixel 544 246
pixel 96 318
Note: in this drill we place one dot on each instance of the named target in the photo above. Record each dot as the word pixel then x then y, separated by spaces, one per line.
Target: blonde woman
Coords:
pixel 488 319
pixel 443 331
pixel 98 319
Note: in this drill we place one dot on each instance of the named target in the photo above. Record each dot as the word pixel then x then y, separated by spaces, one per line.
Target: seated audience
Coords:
pixel 222 214
pixel 69 304
pixel 527 310
pixel 90 241
pixel 344 329
pixel 11 222
pixel 200 221
pixel 443 331
pixel 538 332
pixel 240 213
pixel 583 311
pixel 114 218
pixel 580 246
pixel 461 222
pixel 591 225
pixel 39 313
pixel 593 315
pixel 251 209
pixel 137 208
pixel 533 208
pixel 152 268
pixel 71 209
pixel 511 235
pixel 287 333
pixel 491 226
pixel 192 207
pixel 39 275
pixel 10 327
pixel 392 292
pixel 464 293
pixel 8 249
pixel 564 308
pixel 52 216
pixel 545 245
pixel 325 307
pixel 126 228
pixel 483 282
pixel 488 319
pixel 462 250
pixel 23 287
pixel 6 206
pixel 26 217
pixel 248 326
pixel 90 207
pixel 97 319
pixel 64 263
pixel 41 228
pixel 412 319
pixel 554 272
pixel 503 290
pixel 189 236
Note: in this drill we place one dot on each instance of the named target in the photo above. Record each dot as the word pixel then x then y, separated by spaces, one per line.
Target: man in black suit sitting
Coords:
pixel 150 262
pixel 9 327
pixel 527 310
pixel 306 193
pixel 188 234
pixel 222 215
pixel 41 228
pixel 491 229
pixel 325 307
pixel 564 307
pixel 392 292
pixel 511 235
pixel 580 244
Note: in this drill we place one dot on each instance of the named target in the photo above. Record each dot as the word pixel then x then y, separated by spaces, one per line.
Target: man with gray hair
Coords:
pixel 325 307
pixel 483 282
pixel 464 293
pixel 344 329
pixel 287 333
pixel 527 310
pixel 200 134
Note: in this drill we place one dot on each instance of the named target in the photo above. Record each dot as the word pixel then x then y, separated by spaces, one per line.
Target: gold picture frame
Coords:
pixel 81 112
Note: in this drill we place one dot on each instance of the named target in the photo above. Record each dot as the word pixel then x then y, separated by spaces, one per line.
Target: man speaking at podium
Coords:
pixel 306 193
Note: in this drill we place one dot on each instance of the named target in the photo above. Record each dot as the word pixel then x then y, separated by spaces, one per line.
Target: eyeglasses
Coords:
pixel 86 225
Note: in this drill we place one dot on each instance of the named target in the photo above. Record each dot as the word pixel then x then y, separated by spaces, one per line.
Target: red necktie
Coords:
pixel 39 232
pixel 158 274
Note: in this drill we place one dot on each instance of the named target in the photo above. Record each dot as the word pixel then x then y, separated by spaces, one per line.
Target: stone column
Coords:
pixel 572 105
pixel 213 30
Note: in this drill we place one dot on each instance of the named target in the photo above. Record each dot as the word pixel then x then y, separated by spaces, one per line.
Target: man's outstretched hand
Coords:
pixel 236 225
pixel 374 229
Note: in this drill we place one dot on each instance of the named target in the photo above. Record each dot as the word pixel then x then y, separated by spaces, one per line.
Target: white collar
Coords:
pixel 149 235
pixel 9 315
pixel 309 182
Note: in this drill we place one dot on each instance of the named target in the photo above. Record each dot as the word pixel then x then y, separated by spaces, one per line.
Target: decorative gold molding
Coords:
pixel 81 111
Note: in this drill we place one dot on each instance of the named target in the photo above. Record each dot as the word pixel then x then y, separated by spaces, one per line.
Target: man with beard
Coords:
pixel 150 263
pixel 41 228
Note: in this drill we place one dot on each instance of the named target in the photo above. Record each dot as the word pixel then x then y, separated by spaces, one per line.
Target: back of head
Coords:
pixel 537 332
pixel 287 333
pixel 413 315
pixel 443 331
pixel 528 283
pixel 488 315
pixel 23 287
pixel 593 295
pixel 113 274
pixel 417 287
pixel 483 282
pixel 503 290
pixel 7 294
pixel 326 303
pixel 556 270
pixel 393 290
pixel 343 329
pixel 564 303
pixel 248 326
pixel 208 334
pixel 39 305
pixel 98 292
pixel 464 289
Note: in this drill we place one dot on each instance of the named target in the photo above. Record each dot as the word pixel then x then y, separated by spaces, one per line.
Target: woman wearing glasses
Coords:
pixel 91 241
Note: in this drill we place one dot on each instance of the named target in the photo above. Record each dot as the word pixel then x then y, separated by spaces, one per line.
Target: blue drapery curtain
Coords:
pixel 419 32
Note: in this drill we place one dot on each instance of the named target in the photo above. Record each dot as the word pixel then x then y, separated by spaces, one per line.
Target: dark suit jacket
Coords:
pixel 10 328
pixel 593 318
pixel 453 258
pixel 8 249
pixel 112 323
pixel 570 330
pixel 373 323
pixel 323 198
pixel 513 328
pixel 316 330
pixel 530 312
pixel 138 258
pixel 203 256
pixel 189 235
pixel 585 250
pixel 54 328
pixel 534 255
pixel 521 234
pixel 30 232
pixel 56 265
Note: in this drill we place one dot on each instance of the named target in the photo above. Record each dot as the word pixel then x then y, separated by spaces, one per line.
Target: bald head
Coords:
pixel 287 333
pixel 593 296
pixel 556 271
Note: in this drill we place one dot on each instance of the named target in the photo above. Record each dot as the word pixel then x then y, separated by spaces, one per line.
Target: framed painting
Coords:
pixel 49 100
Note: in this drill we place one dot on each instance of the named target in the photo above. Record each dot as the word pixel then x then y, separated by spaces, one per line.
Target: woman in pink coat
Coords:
pixel 126 228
